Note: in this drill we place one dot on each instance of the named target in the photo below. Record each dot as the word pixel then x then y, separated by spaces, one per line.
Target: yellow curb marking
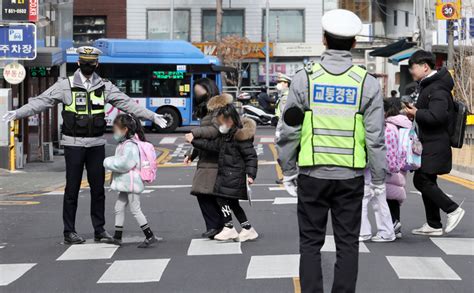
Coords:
pixel 17 202
pixel 296 284
pixel 275 157
pixel 464 182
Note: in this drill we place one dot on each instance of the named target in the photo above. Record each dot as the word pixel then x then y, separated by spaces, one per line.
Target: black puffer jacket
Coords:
pixel 237 159
pixel 434 118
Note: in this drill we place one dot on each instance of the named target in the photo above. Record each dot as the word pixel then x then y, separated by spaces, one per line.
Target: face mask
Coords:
pixel 224 129
pixel 118 136
pixel 279 87
pixel 87 68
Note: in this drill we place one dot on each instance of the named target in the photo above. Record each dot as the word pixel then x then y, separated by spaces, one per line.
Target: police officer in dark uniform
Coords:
pixel 84 95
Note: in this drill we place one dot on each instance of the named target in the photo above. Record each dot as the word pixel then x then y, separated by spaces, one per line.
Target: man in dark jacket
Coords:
pixel 433 114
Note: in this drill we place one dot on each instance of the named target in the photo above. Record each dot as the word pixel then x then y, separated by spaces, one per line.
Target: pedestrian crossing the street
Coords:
pixel 275 266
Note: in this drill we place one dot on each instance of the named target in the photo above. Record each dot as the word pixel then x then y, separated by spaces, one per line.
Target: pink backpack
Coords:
pixel 148 165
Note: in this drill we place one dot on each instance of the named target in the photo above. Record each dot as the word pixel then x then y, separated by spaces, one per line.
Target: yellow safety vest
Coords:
pixel 333 132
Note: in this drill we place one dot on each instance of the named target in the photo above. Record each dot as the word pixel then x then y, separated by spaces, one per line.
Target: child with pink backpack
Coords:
pixel 133 164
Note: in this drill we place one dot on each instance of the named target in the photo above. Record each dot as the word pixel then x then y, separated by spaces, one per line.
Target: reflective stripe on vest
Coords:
pixel 333 131
pixel 80 102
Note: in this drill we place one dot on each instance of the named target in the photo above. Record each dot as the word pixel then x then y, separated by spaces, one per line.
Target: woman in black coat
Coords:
pixel 433 113
pixel 237 167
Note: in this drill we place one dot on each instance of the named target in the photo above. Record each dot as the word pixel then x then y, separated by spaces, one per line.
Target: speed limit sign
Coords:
pixel 448 9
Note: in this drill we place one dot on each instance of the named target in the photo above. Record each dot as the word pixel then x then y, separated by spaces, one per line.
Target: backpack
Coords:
pixel 148 165
pixel 458 129
pixel 410 148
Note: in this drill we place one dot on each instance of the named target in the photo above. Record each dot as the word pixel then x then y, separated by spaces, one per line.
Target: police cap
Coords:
pixel 88 53
pixel 341 23
pixel 283 78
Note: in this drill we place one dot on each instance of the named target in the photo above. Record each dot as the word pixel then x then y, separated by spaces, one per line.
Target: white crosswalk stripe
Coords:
pixel 273 266
pixel 267 140
pixel 11 272
pixel 89 251
pixel 135 271
pixel 285 200
pixel 455 246
pixel 211 247
pixel 422 268
pixel 168 140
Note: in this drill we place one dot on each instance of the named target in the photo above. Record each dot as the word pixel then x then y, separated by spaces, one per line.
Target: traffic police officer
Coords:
pixel 84 96
pixel 333 124
pixel 283 86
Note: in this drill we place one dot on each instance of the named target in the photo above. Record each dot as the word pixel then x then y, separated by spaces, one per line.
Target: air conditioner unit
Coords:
pixel 373 64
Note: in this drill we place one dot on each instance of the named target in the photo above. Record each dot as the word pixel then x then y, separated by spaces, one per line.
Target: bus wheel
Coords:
pixel 172 116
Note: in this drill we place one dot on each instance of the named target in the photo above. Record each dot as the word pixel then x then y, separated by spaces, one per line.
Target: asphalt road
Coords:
pixel 33 259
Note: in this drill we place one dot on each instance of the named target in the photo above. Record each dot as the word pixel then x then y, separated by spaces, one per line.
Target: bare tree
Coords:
pixel 219 14
pixel 232 50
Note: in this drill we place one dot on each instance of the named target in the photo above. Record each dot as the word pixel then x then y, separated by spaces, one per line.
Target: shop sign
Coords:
pixel 20 10
pixel 297 49
pixel 14 73
pixel 255 50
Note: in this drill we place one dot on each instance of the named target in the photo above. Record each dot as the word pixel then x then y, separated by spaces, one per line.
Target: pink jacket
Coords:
pixel 396 179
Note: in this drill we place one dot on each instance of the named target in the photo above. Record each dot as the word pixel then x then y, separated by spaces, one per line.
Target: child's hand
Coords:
pixel 187 160
pixel 250 180
pixel 189 137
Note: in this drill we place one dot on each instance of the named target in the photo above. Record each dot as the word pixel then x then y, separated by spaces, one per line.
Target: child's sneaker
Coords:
pixel 227 234
pixel 148 242
pixel 363 238
pixel 248 234
pixel 378 238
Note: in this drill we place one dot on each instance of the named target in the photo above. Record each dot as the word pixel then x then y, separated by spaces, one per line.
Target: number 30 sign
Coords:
pixel 448 9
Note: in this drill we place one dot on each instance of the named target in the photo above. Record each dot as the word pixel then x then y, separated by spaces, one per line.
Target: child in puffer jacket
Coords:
pixel 387 207
pixel 395 180
pixel 126 177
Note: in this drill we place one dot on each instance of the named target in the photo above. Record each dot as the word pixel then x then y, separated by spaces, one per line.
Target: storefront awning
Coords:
pixel 48 57
pixel 403 55
pixel 392 49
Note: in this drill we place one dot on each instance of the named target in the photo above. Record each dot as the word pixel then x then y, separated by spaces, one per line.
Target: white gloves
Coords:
pixel 160 121
pixel 289 182
pixel 11 115
pixel 377 190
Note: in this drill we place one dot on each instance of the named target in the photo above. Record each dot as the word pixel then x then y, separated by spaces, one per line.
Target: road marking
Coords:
pixel 285 200
pixel 17 202
pixel 464 182
pixel 273 266
pixel 267 140
pixel 168 140
pixel 164 155
pixel 212 247
pixel 421 268
pixel 147 191
pixel 257 200
pixel 11 272
pixel 135 271
pixel 89 251
pixel 259 149
pixel 57 192
pixel 330 245
pixel 169 186
pixel 297 285
pixel 276 188
pixel 275 157
pixel 455 246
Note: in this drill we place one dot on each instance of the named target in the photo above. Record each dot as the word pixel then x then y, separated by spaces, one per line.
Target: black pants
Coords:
pixel 210 211
pixel 433 198
pixel 344 199
pixel 394 206
pixel 76 158
pixel 229 206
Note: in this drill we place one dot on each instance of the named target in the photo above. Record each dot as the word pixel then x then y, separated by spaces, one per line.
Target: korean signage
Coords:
pixel 20 10
pixel 255 50
pixel 288 68
pixel 18 41
pixel 297 49
pixel 14 73
pixel 448 9
pixel 168 74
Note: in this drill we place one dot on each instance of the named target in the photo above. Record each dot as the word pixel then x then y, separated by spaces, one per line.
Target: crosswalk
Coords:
pixel 258 267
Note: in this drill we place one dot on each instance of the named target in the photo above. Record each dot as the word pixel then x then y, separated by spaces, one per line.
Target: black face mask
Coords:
pixel 87 68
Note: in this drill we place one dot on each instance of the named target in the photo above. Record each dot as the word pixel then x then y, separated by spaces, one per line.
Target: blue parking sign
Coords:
pixel 18 41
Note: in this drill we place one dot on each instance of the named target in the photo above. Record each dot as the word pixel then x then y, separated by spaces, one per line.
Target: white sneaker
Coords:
pixel 227 234
pixel 397 228
pixel 378 238
pixel 363 238
pixel 427 230
pixel 248 234
pixel 453 219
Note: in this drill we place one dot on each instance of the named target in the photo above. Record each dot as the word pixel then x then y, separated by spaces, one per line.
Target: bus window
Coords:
pixel 136 87
pixel 170 85
pixel 121 84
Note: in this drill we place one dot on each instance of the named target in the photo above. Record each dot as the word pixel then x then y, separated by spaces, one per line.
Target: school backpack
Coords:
pixel 410 148
pixel 147 160
pixel 458 129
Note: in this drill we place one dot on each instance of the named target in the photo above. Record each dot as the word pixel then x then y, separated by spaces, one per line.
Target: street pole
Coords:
pixel 171 19
pixel 267 45
pixel 450 25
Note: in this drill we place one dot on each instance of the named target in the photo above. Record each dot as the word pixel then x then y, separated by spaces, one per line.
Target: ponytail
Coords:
pixel 133 125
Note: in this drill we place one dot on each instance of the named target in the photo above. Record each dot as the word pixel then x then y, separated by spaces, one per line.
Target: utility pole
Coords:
pixel 267 45
pixel 219 14
pixel 450 25
pixel 171 19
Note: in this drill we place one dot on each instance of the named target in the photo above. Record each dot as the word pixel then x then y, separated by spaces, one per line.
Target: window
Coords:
pixel 170 84
pixel 158 24
pixel 87 29
pixel 232 23
pixel 285 26
pixel 129 78
pixel 395 17
pixel 471 27
pixel 407 19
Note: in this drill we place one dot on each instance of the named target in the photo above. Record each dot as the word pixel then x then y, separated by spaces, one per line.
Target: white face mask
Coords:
pixel 224 129
pixel 279 87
